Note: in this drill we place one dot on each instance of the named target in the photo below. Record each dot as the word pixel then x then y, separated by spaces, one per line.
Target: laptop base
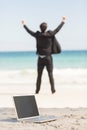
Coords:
pixel 41 119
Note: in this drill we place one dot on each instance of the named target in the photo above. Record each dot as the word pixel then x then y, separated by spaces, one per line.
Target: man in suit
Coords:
pixel 44 51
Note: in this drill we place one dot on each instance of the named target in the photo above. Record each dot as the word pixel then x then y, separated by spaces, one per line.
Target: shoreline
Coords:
pixel 65 96
pixel 70 85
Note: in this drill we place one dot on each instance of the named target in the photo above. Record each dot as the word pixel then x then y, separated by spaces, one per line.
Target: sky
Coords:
pixel 72 36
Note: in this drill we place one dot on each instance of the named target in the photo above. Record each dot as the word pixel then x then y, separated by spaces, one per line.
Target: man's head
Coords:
pixel 43 26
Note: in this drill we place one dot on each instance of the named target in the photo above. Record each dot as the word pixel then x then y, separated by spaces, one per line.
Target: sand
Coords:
pixel 72 113
pixel 69 102
pixel 69 119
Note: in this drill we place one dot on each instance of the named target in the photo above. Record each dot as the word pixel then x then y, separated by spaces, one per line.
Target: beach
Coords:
pixel 69 102
pixel 69 119
pixel 18 75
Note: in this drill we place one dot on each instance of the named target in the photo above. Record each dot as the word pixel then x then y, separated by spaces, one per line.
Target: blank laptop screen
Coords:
pixel 26 106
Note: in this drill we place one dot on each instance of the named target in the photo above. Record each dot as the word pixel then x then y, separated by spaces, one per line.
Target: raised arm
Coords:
pixel 27 29
pixel 60 26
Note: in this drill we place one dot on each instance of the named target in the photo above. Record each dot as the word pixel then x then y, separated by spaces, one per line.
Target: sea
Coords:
pixel 28 60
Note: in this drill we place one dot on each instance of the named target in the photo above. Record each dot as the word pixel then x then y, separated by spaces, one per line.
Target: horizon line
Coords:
pixel 35 50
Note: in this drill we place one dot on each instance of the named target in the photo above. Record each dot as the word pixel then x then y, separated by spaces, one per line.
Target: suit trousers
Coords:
pixel 47 62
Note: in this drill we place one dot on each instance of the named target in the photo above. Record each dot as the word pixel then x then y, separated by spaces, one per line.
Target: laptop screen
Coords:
pixel 26 106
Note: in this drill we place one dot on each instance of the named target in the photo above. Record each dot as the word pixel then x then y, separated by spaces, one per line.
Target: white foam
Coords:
pixel 70 84
pixel 61 76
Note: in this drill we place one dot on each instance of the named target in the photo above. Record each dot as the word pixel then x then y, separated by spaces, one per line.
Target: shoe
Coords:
pixel 53 91
pixel 37 92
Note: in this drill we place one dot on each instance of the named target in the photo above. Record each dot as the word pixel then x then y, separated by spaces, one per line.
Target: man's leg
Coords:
pixel 39 71
pixel 49 67
pixel 51 81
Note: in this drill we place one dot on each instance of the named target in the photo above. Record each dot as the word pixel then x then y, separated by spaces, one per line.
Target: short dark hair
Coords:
pixel 43 26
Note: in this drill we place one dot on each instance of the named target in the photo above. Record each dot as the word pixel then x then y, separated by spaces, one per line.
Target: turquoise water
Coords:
pixel 28 60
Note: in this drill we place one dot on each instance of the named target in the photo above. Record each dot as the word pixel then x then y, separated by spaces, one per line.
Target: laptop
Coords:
pixel 27 110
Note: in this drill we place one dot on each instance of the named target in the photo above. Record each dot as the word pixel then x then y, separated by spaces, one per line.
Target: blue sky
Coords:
pixel 13 37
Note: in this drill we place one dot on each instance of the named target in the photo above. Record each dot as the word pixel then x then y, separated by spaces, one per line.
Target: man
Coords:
pixel 44 51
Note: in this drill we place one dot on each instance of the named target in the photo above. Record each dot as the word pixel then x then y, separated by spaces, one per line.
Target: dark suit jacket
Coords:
pixel 44 40
pixel 56 48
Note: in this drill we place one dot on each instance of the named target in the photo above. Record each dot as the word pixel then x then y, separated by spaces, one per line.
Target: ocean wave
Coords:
pixel 28 76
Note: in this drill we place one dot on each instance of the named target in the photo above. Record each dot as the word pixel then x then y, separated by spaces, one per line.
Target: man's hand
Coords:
pixel 64 19
pixel 23 22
